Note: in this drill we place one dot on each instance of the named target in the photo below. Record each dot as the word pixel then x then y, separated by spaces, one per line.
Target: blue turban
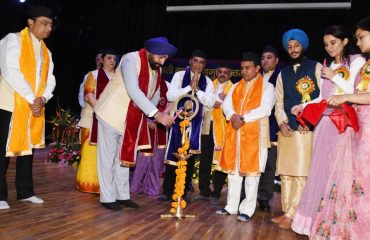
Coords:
pixel 295 34
pixel 160 46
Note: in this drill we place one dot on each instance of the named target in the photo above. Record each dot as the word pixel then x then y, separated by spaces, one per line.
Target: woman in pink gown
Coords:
pixel 336 78
pixel 344 212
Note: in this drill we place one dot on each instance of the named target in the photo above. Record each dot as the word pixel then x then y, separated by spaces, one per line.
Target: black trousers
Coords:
pixel 205 168
pixel 218 183
pixel 205 163
pixel 23 179
pixel 266 185
pixel 170 176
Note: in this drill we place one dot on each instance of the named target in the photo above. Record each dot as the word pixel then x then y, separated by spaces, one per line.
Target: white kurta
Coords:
pixel 263 111
pixel 12 79
pixel 248 205
pixel 175 91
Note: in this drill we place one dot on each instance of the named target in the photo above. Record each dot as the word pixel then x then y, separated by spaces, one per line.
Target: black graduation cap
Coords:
pixel 199 53
pixel 269 48
pixel 224 65
pixel 39 11
pixel 251 56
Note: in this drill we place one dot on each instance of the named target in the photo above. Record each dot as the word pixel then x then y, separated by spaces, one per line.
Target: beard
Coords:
pixel 154 65
pixel 296 60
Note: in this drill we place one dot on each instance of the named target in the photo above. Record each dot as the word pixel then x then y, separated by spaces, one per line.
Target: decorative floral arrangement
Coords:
pixel 65 146
pixel 181 170
pixel 60 152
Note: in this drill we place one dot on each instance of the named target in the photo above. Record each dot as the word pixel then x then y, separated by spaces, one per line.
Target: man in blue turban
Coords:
pixel 123 109
pixel 296 86
pixel 295 34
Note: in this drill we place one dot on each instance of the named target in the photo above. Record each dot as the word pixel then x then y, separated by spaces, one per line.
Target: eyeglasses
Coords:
pixel 200 62
pixel 45 23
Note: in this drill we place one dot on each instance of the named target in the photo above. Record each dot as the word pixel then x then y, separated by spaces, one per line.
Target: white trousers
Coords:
pixel 113 179
pixel 248 205
pixel 235 181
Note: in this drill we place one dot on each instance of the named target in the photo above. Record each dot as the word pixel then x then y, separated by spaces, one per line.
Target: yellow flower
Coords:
pixel 183 203
pixel 184 123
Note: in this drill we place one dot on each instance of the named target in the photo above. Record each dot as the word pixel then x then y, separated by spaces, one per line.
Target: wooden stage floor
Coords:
pixel 69 214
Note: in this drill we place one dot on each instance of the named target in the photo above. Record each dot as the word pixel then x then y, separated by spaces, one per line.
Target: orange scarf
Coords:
pixel 243 101
pixel 219 124
pixel 27 132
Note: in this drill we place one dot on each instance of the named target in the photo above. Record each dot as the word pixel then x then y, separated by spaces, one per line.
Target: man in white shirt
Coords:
pixel 244 153
pixel 122 111
pixel 184 82
pixel 26 84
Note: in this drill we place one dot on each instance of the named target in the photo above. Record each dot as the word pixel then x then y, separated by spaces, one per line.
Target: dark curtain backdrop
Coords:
pixel 85 26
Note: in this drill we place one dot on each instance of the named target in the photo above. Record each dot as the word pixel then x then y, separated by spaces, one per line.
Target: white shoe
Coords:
pixel 33 199
pixel 4 205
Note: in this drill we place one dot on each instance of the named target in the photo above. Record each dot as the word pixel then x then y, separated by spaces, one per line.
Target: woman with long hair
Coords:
pixel 345 209
pixel 337 78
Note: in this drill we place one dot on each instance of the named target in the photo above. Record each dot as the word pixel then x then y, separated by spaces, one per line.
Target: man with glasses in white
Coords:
pixel 26 84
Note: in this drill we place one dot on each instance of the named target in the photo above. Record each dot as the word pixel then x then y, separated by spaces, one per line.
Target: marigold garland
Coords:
pixel 181 169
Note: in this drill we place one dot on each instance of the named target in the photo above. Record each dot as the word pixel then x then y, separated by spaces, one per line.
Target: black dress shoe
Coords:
pixel 264 205
pixel 112 206
pixel 200 197
pixel 163 198
pixel 128 203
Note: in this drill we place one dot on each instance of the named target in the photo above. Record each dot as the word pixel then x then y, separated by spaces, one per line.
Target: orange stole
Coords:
pixel 19 136
pixel 219 124
pixel 90 84
pixel 248 134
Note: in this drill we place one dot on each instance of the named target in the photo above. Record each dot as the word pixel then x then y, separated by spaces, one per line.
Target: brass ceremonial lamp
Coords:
pixel 186 113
